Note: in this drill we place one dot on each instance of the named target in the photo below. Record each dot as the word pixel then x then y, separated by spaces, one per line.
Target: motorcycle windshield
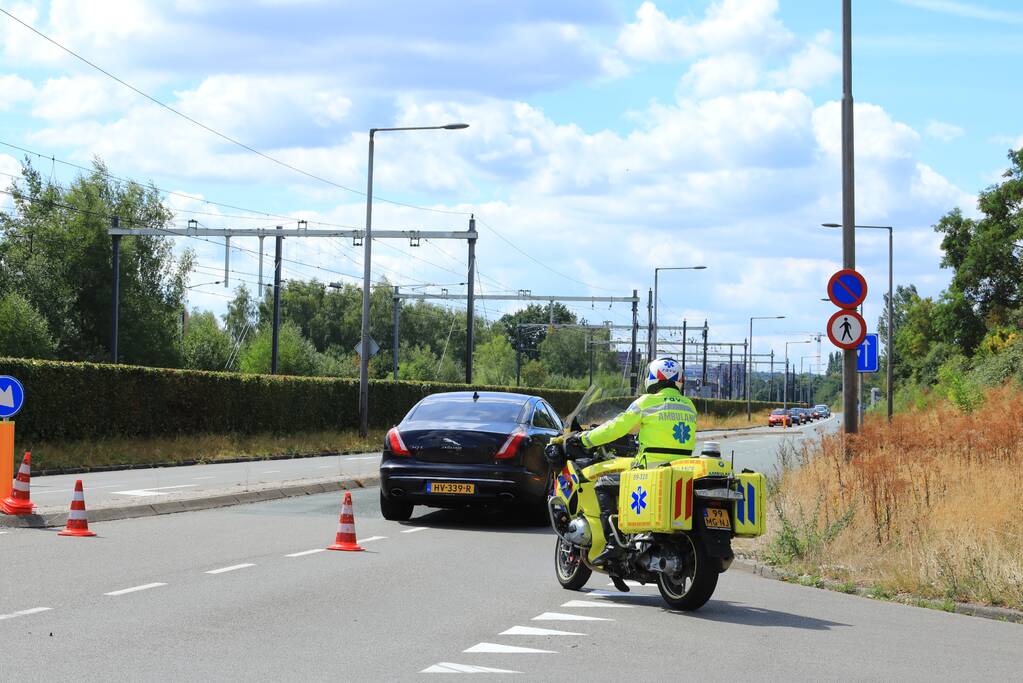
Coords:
pixel 597 406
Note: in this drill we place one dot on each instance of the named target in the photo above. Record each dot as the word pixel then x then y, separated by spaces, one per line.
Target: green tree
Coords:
pixel 23 331
pixel 564 352
pixel 296 355
pixel 56 252
pixel 533 374
pixel 242 314
pixel 416 363
pixel 206 346
pixel 528 339
pixel 494 362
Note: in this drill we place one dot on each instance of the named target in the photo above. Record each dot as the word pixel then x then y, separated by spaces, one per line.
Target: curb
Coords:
pixel 965 608
pixel 191 463
pixel 49 517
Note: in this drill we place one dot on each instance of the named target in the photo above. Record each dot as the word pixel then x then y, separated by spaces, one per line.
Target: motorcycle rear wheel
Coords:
pixel 693 589
pixel 568 565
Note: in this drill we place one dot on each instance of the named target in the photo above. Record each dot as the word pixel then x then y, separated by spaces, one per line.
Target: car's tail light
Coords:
pixel 396 444
pixel 510 448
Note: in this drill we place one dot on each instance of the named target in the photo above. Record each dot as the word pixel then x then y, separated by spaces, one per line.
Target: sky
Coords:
pixel 607 138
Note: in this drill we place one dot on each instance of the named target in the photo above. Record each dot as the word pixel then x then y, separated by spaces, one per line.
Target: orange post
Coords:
pixel 6 458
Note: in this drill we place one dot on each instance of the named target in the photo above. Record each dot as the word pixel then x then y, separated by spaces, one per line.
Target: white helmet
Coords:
pixel 663 370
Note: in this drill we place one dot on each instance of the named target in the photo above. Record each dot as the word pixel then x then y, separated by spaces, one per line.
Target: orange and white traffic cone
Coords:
pixel 345 539
pixel 20 502
pixel 77 524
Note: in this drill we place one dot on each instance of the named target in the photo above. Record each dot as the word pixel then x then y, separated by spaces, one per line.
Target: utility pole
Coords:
pixel 850 423
pixel 518 355
pixel 704 354
pixel 770 386
pixel 115 308
pixel 685 342
pixel 650 326
pixel 470 328
pixel 731 371
pixel 634 376
pixel 396 316
pixel 591 356
pixel 277 303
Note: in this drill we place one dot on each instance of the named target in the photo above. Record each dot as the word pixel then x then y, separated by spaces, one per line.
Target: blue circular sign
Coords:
pixel 847 288
pixel 12 396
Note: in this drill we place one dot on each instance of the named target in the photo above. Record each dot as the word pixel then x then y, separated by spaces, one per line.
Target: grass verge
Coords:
pixel 709 422
pixel 923 507
pixel 201 447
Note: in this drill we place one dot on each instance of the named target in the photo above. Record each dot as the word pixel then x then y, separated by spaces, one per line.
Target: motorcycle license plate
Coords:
pixel 450 487
pixel 716 518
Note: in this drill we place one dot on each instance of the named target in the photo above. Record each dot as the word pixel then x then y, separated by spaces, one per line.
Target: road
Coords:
pixel 245 593
pixel 756 450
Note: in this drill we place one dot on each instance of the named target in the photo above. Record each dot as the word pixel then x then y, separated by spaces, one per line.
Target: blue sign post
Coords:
pixel 867 355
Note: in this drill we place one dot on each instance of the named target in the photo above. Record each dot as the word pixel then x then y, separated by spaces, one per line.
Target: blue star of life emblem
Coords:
pixel 638 500
pixel 682 432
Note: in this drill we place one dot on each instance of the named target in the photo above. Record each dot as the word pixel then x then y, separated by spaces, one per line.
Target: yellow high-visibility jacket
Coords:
pixel 667 427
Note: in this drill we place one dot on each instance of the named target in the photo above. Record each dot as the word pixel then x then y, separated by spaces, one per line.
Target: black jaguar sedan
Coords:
pixel 468 448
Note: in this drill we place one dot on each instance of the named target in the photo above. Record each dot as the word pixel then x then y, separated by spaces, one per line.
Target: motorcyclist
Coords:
pixel 667 431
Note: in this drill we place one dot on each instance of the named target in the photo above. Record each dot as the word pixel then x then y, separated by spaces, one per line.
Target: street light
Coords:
pixel 785 396
pixel 203 284
pixel 749 370
pixel 891 321
pixel 367 244
pixel 801 359
pixel 653 341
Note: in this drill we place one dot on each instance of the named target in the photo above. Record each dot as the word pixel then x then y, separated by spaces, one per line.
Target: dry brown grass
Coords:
pixel 202 447
pixel 928 506
pixel 710 422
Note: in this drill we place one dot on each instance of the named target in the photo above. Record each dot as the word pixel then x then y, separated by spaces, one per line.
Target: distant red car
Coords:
pixel 780 418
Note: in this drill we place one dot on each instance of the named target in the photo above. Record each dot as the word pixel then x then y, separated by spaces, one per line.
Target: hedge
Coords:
pixel 73 401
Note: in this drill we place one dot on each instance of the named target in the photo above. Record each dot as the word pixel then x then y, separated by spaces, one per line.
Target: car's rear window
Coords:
pixel 779 411
pixel 466 410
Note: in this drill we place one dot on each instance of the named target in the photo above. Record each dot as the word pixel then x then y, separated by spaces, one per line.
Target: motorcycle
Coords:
pixel 675 523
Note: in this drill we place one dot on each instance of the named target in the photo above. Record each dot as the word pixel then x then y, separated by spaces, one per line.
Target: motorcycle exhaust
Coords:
pixel 658 561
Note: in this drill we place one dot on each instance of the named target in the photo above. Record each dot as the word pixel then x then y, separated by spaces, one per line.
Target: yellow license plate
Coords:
pixel 450 487
pixel 716 518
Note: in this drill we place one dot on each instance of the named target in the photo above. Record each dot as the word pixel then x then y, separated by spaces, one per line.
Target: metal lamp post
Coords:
pixel 367 245
pixel 653 344
pixel 889 343
pixel 785 397
pixel 749 370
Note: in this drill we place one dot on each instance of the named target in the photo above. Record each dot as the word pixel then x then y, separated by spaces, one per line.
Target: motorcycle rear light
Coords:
pixel 396 444
pixel 510 448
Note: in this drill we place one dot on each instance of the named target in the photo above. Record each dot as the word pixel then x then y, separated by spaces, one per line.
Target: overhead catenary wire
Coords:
pixel 213 131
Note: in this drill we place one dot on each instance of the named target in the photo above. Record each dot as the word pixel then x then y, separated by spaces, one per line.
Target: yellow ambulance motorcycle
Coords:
pixel 675 522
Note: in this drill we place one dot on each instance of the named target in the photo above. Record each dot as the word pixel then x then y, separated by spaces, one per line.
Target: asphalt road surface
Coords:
pixel 756 449
pixel 247 593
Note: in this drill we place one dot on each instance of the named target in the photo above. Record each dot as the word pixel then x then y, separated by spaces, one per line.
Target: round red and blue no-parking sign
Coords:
pixel 847 289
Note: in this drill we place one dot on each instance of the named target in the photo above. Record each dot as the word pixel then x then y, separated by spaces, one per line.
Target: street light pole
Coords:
pixel 785 398
pixel 749 373
pixel 888 337
pixel 653 341
pixel 367 248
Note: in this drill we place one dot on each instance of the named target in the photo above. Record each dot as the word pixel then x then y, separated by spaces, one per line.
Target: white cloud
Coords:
pixel 967 10
pixel 727 25
pixel 813 66
pixel 720 74
pixel 79 97
pixel 14 90
pixel 946 132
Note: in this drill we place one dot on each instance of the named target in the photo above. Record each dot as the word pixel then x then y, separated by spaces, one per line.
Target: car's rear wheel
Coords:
pixel 568 565
pixel 394 510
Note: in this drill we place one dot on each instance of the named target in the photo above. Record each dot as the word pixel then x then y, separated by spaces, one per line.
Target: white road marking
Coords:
pixel 593 603
pixel 143 587
pixel 746 441
pixel 269 471
pixel 369 457
pixel 371 538
pixel 451 668
pixel 415 529
pixel 558 616
pixel 3 532
pixel 230 569
pixel 307 552
pixel 323 467
pixel 498 648
pixel 533 631
pixel 199 478
pixel 154 491
pixel 24 612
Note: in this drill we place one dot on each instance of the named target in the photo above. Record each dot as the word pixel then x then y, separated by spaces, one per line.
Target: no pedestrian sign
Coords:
pixel 847 288
pixel 847 329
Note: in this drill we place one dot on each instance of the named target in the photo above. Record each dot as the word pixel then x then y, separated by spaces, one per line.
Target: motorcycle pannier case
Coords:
pixel 749 515
pixel 658 500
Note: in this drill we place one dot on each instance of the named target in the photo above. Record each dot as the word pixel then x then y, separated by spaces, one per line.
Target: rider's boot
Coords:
pixel 620 583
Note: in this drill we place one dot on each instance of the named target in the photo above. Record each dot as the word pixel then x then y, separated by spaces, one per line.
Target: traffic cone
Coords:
pixel 345 539
pixel 77 524
pixel 19 502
